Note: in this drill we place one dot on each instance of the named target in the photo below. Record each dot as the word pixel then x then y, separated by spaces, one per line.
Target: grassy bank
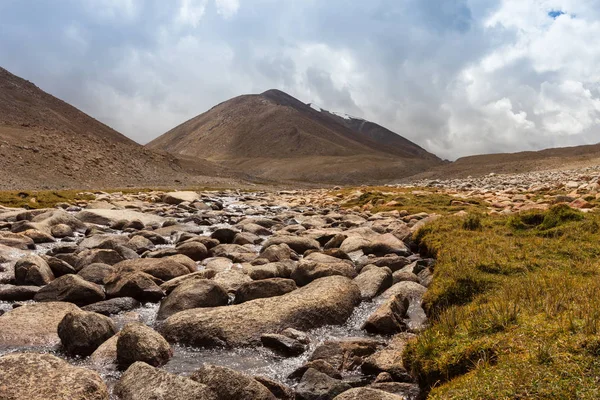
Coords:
pixel 515 307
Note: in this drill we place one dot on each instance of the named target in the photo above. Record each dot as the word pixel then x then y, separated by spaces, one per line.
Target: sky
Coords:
pixel 458 77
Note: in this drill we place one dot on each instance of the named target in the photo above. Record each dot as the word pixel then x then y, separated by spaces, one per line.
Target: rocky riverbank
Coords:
pixel 215 295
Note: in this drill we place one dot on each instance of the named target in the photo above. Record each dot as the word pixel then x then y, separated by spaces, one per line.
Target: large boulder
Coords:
pixel 278 252
pixel 193 294
pixel 16 240
pixel 35 376
pixel 388 319
pixel 170 285
pixel 389 359
pixel 33 270
pixel 264 288
pixel 194 250
pixel 33 325
pixel 234 252
pixel 325 301
pixel 229 384
pixel 81 333
pixel 137 342
pixel 346 354
pixel 180 197
pixel 299 244
pixel 96 273
pixel 142 382
pixel 71 288
pixel 109 217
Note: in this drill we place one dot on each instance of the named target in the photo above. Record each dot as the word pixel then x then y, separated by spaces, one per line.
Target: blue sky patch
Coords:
pixel 555 14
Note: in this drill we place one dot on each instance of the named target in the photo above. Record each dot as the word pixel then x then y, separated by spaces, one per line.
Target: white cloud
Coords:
pixel 227 8
pixel 191 12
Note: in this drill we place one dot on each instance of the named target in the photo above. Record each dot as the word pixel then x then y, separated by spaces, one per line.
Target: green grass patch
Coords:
pixel 41 199
pixel 514 306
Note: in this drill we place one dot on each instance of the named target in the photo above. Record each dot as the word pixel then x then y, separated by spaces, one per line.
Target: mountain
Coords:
pixel 275 136
pixel 560 158
pixel 47 143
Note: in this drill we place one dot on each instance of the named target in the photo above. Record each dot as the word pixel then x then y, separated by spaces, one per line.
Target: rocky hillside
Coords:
pixel 47 143
pixel 274 135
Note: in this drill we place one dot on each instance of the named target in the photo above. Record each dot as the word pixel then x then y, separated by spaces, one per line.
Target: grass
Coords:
pixel 515 307
pixel 41 199
pixel 414 201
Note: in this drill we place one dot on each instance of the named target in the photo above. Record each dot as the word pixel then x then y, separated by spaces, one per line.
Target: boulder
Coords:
pixel 263 288
pixel 231 280
pixel 194 250
pixel 162 268
pixel 282 344
pixel 278 252
pixel 81 332
pixel 113 306
pixel 33 270
pixel 61 231
pixel 109 217
pixel 229 384
pixel 316 385
pixel 326 301
pixel 139 285
pixel 388 319
pixel 93 256
pixel 282 269
pixel 243 238
pixel 193 293
pixel 106 353
pixel 320 365
pixel 180 197
pixel 368 394
pixel 170 285
pixel 59 267
pixel 143 382
pixel 389 359
pixel 17 293
pixel 309 269
pixel 35 376
pixel 297 243
pixel 346 354
pixel 33 325
pixel 373 282
pixel 224 235
pixel 96 273
pixel 72 289
pixel 16 240
pixel 137 342
pixel 234 252
pixel 279 390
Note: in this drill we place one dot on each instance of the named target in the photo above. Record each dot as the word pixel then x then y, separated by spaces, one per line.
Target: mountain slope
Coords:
pixel 559 158
pixel 47 143
pixel 274 135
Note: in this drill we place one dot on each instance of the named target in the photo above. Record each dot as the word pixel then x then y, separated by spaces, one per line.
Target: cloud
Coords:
pixel 458 77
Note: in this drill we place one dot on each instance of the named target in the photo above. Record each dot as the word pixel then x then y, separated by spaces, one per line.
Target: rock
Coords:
pixel 38 321
pixel 386 244
pixel 81 333
pixel 108 217
pixel 388 319
pixel 33 270
pixel 16 240
pixel 309 269
pixel 106 353
pixel 180 197
pixel 193 293
pixel 234 252
pixel 279 390
pixel 255 229
pixel 410 290
pixel 231 280
pixel 95 256
pixel 72 289
pixel 143 382
pixel 137 342
pixel 59 267
pixel 162 268
pixel 393 262
pixel 283 344
pixel 34 376
pixel 368 394
pixel 404 275
pixel 346 354
pixel 17 293
pixel 140 244
pixel 282 269
pixel 316 385
pixel 224 235
pixel 243 238
pixel 336 241
pixel 320 365
pixel 139 285
pixel 406 391
pixel 373 282
pixel 61 231
pixel 297 243
pixel 389 360
pixel 229 384
pixel 194 250
pixel 38 236
pixel 278 252
pixel 96 273
pixel 263 288
pixel 113 306
pixel 325 301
